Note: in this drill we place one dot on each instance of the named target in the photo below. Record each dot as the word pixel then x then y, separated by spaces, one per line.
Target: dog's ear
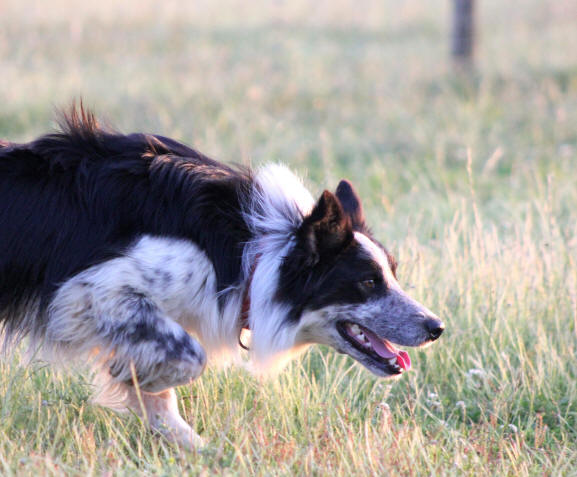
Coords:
pixel 351 203
pixel 327 230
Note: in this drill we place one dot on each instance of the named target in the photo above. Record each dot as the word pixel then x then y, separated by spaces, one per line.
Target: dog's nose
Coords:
pixel 434 327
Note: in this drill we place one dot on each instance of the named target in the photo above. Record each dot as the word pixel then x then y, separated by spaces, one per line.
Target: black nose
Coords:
pixel 435 328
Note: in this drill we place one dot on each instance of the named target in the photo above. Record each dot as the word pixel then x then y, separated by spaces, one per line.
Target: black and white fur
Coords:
pixel 136 253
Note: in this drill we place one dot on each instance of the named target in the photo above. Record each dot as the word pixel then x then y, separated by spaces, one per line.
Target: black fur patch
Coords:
pixel 330 282
pixel 78 197
pixel 333 269
pixel 352 205
pixel 325 232
pixel 351 202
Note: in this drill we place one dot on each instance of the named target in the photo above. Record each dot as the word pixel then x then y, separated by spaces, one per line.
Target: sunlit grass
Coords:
pixel 470 182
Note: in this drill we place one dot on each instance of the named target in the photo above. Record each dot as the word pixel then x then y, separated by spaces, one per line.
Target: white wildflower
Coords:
pixel 475 377
pixel 385 407
pixel 433 400
pixel 476 372
pixel 510 427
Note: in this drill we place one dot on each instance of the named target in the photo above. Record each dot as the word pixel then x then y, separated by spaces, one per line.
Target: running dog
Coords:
pixel 146 259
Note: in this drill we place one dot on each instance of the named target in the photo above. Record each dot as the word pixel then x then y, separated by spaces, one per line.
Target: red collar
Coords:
pixel 245 308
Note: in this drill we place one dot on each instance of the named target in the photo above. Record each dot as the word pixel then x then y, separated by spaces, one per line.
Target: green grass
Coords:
pixel 469 180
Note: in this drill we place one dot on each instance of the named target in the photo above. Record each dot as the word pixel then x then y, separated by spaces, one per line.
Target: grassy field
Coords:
pixel 470 181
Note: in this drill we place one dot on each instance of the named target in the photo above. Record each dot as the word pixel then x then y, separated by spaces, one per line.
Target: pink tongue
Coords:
pixel 387 351
pixel 404 360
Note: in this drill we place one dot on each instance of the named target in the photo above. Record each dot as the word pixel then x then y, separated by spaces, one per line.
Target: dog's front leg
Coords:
pixel 141 353
pixel 161 410
pixel 158 410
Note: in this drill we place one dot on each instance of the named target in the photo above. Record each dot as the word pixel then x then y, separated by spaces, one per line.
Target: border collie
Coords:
pixel 146 259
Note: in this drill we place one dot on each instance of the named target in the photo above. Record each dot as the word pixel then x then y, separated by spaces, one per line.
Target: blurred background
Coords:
pixel 368 87
pixel 467 171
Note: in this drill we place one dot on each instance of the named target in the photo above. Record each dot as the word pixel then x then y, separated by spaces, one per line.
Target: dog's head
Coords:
pixel 342 289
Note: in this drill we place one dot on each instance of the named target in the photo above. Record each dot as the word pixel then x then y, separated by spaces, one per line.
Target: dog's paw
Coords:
pixel 178 433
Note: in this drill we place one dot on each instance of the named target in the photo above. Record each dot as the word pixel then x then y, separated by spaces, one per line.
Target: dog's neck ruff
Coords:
pixel 275 209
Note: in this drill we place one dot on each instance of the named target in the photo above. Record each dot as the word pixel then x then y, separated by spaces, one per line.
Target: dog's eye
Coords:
pixel 369 284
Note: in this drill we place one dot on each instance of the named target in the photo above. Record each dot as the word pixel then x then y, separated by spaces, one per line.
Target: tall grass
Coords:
pixel 470 181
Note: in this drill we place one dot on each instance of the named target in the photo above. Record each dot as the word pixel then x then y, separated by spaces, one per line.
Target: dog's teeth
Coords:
pixel 355 329
pixel 361 337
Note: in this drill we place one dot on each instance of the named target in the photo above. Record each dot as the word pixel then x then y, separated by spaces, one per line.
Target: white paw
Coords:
pixel 178 432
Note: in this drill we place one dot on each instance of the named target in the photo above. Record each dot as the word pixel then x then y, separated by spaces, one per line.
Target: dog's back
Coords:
pixel 81 196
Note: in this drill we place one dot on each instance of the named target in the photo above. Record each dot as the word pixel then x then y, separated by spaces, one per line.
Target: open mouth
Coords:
pixel 381 352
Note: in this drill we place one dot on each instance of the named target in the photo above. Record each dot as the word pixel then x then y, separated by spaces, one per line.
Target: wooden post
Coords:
pixel 463 35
